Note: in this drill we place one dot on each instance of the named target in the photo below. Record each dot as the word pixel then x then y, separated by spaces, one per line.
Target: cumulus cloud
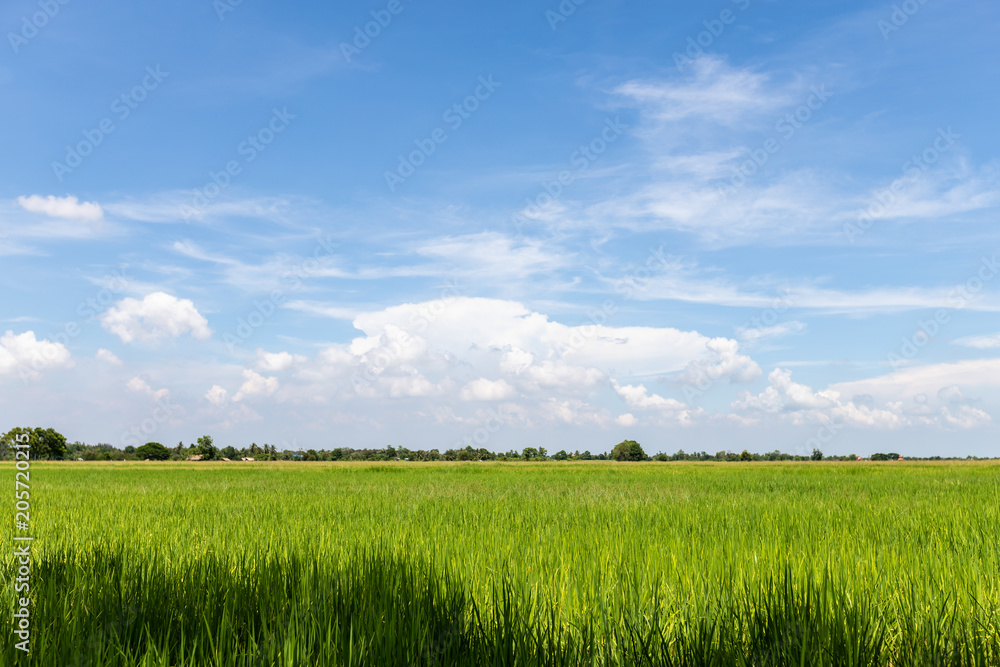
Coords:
pixel 487 390
pixel 627 419
pixel 28 356
pixel 216 395
pixel 800 404
pixel 68 207
pixel 275 362
pixel 639 398
pixel 964 417
pixel 254 385
pixel 107 356
pixel 140 386
pixel 668 410
pixel 155 317
pixel 724 362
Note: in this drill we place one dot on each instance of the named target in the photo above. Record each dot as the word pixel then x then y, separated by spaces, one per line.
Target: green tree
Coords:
pixel 628 450
pixel 45 443
pixel 561 455
pixel 817 455
pixel 206 448
pixel 746 456
pixel 153 451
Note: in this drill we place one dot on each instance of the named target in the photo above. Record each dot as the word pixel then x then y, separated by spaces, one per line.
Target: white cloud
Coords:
pixel 515 361
pixel 28 356
pixel 713 91
pixel 965 417
pixel 255 385
pixel 275 362
pixel 216 395
pixel 639 398
pixel 157 316
pixel 140 386
pixel 901 404
pixel 989 342
pixel 487 390
pixel 928 379
pixel 108 356
pixel 755 333
pixel 627 419
pixel 68 207
pixel 724 363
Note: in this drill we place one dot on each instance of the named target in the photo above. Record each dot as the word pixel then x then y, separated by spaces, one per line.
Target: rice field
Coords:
pixel 511 564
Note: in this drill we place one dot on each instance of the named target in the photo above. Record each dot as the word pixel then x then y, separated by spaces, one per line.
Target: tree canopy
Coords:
pixel 628 450
pixel 46 443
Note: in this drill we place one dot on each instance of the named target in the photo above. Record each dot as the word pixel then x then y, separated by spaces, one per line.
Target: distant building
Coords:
pixel 196 457
pixel 247 458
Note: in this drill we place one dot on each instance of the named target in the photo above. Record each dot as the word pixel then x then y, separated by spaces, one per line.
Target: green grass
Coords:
pixel 512 564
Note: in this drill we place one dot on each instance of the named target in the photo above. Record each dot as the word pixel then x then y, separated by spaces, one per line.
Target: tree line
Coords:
pixel 50 444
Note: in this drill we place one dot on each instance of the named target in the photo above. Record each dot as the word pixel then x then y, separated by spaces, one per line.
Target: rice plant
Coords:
pixel 512 564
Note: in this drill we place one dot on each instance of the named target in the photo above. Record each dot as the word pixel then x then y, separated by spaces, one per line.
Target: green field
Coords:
pixel 512 564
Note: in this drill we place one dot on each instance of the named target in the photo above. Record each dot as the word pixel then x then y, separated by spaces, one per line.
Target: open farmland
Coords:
pixel 514 564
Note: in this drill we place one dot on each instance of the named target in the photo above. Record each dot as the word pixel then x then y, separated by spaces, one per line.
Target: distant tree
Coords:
pixel 628 450
pixel 661 457
pixel 817 455
pixel 529 453
pixel 229 452
pixel 46 443
pixel 746 456
pixel 153 451
pixel 129 449
pixel 561 455
pixel 206 448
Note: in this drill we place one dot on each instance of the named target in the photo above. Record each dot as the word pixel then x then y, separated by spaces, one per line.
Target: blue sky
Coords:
pixel 703 226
